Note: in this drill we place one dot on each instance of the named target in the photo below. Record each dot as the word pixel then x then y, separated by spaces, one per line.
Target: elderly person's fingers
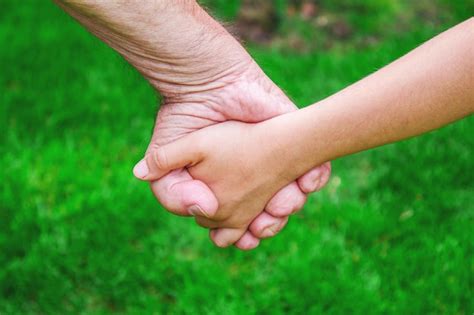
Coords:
pixel 247 242
pixel 266 225
pixel 315 179
pixel 180 194
pixel 286 201
pixel 225 237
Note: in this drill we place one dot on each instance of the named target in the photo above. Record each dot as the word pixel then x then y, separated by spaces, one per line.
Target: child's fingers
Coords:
pixel 247 242
pixel 160 161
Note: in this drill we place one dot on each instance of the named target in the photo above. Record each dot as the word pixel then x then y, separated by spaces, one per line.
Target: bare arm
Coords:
pixel 429 87
pixel 205 77
pixel 176 45
pixel 244 164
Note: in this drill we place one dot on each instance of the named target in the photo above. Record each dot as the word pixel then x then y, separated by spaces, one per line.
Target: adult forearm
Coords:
pixel 176 45
pixel 428 88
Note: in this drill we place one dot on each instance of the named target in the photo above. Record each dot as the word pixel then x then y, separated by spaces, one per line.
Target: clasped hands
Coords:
pixel 216 154
pixel 205 158
pixel 229 148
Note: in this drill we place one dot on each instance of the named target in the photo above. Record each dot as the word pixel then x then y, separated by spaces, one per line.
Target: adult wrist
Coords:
pixel 185 51
pixel 176 45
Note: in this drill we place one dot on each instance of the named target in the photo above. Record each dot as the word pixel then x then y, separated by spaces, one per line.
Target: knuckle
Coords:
pixel 327 169
pixel 280 210
pixel 160 159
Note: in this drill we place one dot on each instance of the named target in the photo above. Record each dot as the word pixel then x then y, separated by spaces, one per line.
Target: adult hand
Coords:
pixel 205 77
pixel 246 95
pixel 238 162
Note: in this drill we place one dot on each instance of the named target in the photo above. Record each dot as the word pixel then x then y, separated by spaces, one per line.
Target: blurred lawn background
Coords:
pixel 391 234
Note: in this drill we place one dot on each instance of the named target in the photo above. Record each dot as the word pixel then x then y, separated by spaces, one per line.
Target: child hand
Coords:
pixel 242 165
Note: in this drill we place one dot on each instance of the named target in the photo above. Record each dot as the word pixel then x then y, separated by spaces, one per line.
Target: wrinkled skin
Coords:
pixel 205 77
pixel 248 96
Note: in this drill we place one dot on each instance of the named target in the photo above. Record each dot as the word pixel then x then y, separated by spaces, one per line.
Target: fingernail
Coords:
pixel 196 210
pixel 141 169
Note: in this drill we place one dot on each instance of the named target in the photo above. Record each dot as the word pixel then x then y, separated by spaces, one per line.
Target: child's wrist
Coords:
pixel 278 138
pixel 293 143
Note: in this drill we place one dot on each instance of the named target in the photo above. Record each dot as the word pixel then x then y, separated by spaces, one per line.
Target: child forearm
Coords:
pixel 429 87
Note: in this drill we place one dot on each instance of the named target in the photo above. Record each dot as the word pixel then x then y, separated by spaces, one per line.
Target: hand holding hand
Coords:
pixel 247 95
pixel 239 162
pixel 205 77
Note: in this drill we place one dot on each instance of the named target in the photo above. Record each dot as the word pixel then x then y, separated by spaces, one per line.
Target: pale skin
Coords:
pixel 245 164
pixel 205 77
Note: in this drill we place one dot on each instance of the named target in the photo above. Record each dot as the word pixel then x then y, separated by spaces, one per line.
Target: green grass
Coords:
pixel 391 234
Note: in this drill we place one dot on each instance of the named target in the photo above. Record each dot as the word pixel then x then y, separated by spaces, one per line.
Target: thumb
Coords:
pixel 162 160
